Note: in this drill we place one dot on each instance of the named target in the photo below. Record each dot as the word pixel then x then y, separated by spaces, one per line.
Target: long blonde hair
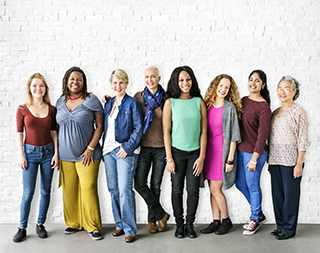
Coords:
pixel 232 96
pixel 46 97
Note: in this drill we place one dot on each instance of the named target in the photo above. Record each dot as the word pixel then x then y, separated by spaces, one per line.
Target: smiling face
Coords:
pixel 118 86
pixel 152 80
pixel 75 83
pixel 285 91
pixel 255 83
pixel 37 88
pixel 185 82
pixel 223 88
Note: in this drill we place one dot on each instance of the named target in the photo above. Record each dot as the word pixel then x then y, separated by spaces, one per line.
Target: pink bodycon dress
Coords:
pixel 213 160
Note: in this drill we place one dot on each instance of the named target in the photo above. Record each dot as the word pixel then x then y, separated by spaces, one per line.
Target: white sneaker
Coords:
pixel 252 227
pixel 262 220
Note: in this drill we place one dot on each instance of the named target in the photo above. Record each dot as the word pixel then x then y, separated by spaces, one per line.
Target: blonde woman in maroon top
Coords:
pixel 37 146
pixel 252 151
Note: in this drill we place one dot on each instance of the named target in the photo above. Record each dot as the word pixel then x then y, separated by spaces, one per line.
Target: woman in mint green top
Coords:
pixel 186 123
pixel 185 140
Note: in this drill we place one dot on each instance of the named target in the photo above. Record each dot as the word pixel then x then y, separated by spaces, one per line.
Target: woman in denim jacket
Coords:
pixel 122 134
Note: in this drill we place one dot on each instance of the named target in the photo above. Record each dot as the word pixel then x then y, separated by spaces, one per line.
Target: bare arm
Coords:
pixel 232 149
pixel 198 164
pixel 88 154
pixel 166 123
pixel 253 162
pixel 55 158
pixel 22 160
pixel 297 171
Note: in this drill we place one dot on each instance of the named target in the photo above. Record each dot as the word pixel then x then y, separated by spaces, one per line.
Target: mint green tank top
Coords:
pixel 185 123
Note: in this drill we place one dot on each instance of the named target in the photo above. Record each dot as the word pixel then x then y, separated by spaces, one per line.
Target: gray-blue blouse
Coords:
pixel 76 128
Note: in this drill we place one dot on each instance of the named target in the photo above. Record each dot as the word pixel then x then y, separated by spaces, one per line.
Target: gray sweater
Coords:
pixel 231 132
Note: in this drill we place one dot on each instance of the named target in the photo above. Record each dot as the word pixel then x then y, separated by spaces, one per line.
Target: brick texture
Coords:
pixel 213 37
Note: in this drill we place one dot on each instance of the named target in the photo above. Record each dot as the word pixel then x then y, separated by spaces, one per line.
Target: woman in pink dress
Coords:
pixel 224 108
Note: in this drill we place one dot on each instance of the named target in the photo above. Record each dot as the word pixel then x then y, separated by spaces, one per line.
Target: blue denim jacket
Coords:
pixel 128 124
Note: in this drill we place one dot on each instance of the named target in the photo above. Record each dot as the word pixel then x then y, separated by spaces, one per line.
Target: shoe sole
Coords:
pixel 96 238
pixel 219 233
pixel 42 237
pixel 19 240
pixel 70 233
pixel 250 233
pixel 246 225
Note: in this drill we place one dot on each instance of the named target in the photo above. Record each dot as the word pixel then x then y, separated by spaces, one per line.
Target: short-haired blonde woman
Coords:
pixel 288 143
pixel 122 134
pixel 39 147
pixel 152 150
pixel 224 108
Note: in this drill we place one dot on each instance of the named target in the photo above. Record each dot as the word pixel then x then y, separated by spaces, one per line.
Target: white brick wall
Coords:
pixel 213 37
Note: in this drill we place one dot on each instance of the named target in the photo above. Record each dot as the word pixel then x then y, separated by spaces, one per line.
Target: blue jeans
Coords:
pixel 151 195
pixel 184 161
pixel 36 156
pixel 285 197
pixel 120 174
pixel 248 182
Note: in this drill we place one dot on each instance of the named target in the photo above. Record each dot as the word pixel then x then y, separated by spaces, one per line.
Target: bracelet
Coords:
pixel 88 147
pixel 168 160
pixel 253 162
pixel 229 162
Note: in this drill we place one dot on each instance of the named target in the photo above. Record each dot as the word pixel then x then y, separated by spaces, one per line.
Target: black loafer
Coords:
pixel 179 231
pixel 282 237
pixel 275 232
pixel 190 231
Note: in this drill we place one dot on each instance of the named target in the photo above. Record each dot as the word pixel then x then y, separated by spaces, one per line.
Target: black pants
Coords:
pixel 151 195
pixel 184 161
pixel 285 197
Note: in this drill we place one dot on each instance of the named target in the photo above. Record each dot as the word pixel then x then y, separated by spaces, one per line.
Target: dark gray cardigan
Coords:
pixel 231 132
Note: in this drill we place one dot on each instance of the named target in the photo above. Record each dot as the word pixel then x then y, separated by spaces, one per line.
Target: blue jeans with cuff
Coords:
pixel 120 173
pixel 248 182
pixel 36 156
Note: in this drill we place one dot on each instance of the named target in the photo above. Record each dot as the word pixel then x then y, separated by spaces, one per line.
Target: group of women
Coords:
pixel 220 138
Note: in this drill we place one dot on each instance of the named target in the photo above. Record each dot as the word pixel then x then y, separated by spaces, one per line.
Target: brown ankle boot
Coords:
pixel 152 228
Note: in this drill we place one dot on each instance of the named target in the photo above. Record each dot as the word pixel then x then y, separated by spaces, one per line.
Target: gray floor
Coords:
pixel 306 240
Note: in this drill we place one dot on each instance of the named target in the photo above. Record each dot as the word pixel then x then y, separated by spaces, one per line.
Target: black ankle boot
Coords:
pixel 190 231
pixel 225 226
pixel 213 226
pixel 179 231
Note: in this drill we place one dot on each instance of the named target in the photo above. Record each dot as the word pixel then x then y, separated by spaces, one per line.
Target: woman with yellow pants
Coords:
pixel 80 119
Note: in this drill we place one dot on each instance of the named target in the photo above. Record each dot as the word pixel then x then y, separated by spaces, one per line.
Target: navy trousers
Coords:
pixel 285 197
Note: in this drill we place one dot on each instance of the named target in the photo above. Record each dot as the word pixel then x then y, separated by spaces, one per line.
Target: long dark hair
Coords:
pixel 264 91
pixel 173 90
pixel 65 79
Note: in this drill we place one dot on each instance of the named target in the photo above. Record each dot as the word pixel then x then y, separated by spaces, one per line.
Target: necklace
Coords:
pixel 73 97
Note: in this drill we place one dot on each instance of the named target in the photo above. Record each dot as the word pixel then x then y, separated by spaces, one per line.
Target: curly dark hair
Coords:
pixel 65 79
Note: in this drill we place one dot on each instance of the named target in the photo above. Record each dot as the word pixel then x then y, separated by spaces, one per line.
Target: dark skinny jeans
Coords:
pixel 184 161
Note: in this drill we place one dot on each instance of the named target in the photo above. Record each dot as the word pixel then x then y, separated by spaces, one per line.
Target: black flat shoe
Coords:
pixel 210 229
pixel 282 237
pixel 275 232
pixel 190 231
pixel 179 231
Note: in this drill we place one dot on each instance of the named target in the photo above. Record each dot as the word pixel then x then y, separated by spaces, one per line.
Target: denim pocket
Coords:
pixel 49 150
pixel 29 150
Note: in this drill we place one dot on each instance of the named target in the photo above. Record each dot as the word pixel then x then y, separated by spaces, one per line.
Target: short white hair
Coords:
pixel 154 68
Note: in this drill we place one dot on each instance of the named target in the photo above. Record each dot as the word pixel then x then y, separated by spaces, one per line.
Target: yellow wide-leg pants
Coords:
pixel 80 195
